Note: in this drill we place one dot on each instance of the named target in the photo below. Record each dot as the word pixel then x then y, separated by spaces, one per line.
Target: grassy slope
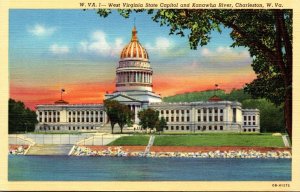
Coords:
pixel 131 140
pixel 219 140
pixel 224 139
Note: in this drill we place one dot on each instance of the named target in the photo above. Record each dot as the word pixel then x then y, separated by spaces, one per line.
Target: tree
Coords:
pixel 111 109
pixel 118 114
pixel 21 119
pixel 148 118
pixel 161 125
pixel 266 33
pixel 125 116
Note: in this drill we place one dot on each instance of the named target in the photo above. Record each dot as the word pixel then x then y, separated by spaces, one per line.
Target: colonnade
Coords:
pixel 134 76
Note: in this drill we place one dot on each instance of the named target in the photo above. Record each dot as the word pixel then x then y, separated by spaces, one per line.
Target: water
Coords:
pixel 65 168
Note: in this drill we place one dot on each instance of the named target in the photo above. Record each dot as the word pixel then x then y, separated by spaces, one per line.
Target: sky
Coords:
pixel 79 50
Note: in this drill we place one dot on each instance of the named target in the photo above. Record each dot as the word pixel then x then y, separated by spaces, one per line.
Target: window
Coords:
pixel 167 119
pixel 58 113
pixel 204 118
pixel 177 119
pixel 177 127
pixel 187 128
pixel 216 128
pixel 87 119
pixel 210 118
pixel 245 123
pixel 167 128
pixel 199 128
pixel 82 112
pixel 167 111
pixel 199 118
pixel 45 112
pixel 45 120
pixel 221 110
pixel 245 118
pixel 78 119
pixel 182 127
pixel 249 123
pixel 58 119
pixel 172 119
pixel 69 128
pixel 57 127
pixel 253 130
pixel 234 115
pixel 216 110
pixel 249 130
pixel 187 111
pixel 209 128
pixel 177 111
pixel 216 118
pixel 182 119
pixel 92 112
pixel 40 120
pixel 204 128
pixel 70 113
pixel 92 120
pixel 172 128
pixel 253 123
pixel 187 118
pixel 73 119
pixel 199 111
pixel 172 112
pixel 96 112
pixel 182 111
pixel 101 112
pixel 96 120
pixel 221 118
pixel 162 112
pixel 210 110
pixel 221 128
pixel 78 112
pixel 249 118
pixel 204 110
pixel 54 113
pixel 40 113
pixel 245 130
pixel 50 113
pixel 69 119
pixel 87 112
pixel 253 118
pixel 82 119
pixel 73 112
pixel 101 119
pixel 78 128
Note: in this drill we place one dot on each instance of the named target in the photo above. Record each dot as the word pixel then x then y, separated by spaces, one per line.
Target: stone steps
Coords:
pixel 49 149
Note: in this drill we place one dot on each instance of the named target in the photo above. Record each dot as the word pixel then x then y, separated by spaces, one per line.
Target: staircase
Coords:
pixel 49 149
pixel 150 143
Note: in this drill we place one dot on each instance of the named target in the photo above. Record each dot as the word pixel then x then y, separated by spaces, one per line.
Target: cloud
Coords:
pixel 59 49
pixel 41 30
pixel 226 54
pixel 99 44
pixel 160 44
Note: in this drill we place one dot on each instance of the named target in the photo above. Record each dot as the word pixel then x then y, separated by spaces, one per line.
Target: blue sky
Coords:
pixel 49 49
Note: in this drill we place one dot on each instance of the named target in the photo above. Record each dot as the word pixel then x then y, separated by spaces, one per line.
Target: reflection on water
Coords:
pixel 65 168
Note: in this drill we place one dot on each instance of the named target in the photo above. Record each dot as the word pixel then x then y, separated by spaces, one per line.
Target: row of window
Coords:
pixel 249 123
pixel 85 112
pixel 205 119
pixel 199 128
pixel 49 120
pixel 249 118
pixel 57 128
pixel 85 120
pixel 249 130
pixel 50 113
pixel 210 110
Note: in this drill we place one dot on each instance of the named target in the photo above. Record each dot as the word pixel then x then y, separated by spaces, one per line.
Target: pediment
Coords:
pixel 123 98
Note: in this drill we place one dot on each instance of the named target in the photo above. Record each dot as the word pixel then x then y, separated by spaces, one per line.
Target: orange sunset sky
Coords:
pixel 79 51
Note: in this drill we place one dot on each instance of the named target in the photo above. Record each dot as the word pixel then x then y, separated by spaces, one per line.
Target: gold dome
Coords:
pixel 134 50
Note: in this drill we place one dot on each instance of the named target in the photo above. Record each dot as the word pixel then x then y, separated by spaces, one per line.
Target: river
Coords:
pixel 70 168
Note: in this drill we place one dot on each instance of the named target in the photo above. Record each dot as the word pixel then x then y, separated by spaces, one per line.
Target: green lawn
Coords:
pixel 140 140
pixel 263 140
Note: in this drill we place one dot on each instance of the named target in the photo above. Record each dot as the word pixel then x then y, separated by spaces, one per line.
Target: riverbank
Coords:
pixel 184 151
pixel 17 149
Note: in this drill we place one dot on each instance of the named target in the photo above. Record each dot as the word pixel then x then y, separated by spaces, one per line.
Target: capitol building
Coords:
pixel 134 88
